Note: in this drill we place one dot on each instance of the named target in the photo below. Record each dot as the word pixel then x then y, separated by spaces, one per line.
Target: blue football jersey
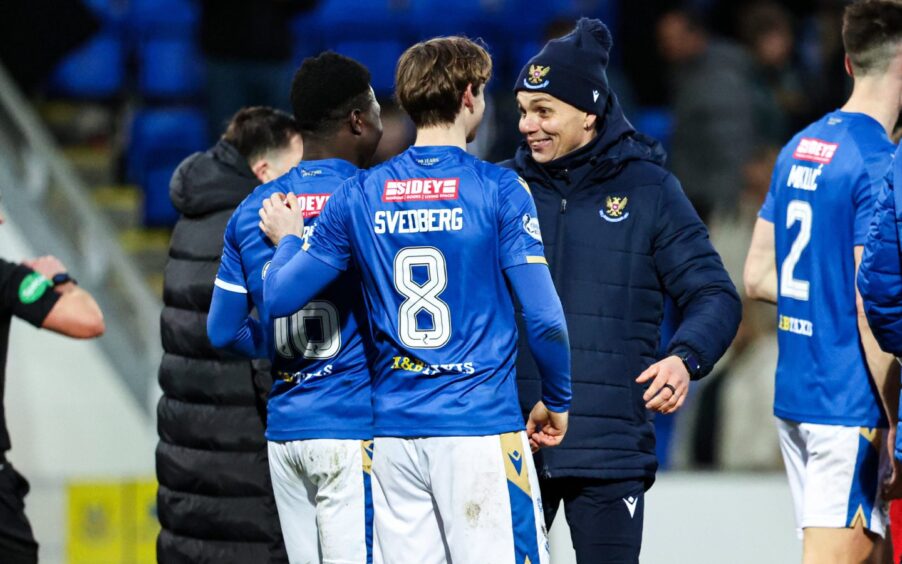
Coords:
pixel 322 382
pixel 431 232
pixel 821 201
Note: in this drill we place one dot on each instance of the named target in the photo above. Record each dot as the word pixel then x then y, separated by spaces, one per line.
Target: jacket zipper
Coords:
pixel 559 244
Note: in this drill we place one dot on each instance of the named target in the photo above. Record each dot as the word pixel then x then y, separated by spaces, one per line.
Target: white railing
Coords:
pixel 54 210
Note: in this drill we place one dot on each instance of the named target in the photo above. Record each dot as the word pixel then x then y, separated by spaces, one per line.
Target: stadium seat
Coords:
pixel 96 70
pixel 159 140
pixel 164 17
pixel 655 122
pixel 170 67
pixel 379 57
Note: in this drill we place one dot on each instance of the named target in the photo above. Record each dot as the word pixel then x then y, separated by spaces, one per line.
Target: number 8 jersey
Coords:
pixel 821 200
pixel 431 232
pixel 321 387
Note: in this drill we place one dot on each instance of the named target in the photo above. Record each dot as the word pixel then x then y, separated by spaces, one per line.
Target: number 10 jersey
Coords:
pixel 431 232
pixel 821 201
pixel 321 387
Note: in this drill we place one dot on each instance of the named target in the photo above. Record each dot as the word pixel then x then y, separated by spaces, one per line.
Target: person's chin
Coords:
pixel 541 157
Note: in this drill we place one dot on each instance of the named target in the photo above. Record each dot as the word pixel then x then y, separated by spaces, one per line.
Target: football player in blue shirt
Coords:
pixel 832 389
pixel 442 240
pixel 319 413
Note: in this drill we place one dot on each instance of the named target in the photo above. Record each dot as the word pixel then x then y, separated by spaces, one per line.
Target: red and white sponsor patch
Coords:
pixel 815 150
pixel 312 204
pixel 420 189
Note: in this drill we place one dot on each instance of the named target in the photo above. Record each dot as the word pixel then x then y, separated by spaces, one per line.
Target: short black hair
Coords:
pixel 871 32
pixel 256 130
pixel 325 89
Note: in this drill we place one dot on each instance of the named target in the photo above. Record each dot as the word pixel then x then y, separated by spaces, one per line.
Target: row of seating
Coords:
pixel 160 37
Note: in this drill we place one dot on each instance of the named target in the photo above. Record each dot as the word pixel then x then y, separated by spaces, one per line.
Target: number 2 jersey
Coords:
pixel 431 232
pixel 321 383
pixel 821 200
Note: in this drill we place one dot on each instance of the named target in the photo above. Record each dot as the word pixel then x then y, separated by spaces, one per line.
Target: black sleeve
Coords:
pixel 24 292
pixel 694 276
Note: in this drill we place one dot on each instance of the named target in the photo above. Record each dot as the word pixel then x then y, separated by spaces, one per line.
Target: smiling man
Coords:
pixel 619 234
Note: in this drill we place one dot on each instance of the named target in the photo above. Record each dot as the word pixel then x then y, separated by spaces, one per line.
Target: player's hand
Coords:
pixel 892 486
pixel 47 266
pixel 545 428
pixel 280 216
pixel 669 387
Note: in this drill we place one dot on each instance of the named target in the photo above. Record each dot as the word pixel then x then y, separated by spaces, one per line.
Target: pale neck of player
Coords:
pixel 454 135
pixel 877 97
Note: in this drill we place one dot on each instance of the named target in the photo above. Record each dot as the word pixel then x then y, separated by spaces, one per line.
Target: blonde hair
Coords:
pixel 433 75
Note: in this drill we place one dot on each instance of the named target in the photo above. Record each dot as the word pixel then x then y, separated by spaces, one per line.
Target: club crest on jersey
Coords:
pixel 312 204
pixel 531 226
pixel 420 190
pixel 815 150
pixel 534 80
pixel 614 209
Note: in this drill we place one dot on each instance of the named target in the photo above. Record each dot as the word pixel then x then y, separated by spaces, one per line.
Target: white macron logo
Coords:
pixel 631 504
pixel 595 95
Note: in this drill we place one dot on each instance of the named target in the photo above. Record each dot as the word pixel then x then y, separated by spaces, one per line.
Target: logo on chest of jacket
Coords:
pixel 614 209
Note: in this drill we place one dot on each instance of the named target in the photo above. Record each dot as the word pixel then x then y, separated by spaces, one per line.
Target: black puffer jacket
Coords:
pixel 619 234
pixel 215 499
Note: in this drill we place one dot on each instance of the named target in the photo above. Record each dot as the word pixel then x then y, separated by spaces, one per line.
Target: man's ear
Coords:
pixel 847 62
pixel 590 122
pixel 355 121
pixel 468 99
pixel 260 168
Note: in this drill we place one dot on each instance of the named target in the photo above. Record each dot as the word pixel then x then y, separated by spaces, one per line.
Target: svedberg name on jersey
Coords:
pixel 418 221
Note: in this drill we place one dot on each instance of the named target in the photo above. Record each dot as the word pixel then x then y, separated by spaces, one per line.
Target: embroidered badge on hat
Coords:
pixel 534 80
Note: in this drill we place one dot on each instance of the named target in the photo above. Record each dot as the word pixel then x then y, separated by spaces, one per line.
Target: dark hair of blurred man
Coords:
pixel 215 501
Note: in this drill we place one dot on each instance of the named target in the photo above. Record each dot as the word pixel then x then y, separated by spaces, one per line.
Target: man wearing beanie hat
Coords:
pixel 619 234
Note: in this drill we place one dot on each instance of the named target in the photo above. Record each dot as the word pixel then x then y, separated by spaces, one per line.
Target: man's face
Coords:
pixel 280 161
pixel 552 128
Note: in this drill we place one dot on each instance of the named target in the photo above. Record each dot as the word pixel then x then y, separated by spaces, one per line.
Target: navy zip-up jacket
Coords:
pixel 619 234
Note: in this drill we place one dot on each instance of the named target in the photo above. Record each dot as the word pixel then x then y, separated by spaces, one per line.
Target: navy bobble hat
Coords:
pixel 572 68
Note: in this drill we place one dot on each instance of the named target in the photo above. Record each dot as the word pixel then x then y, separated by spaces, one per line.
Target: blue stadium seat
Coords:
pixel 380 57
pixel 170 67
pixel 96 70
pixel 163 17
pixel 340 20
pixel 159 140
pixel 655 122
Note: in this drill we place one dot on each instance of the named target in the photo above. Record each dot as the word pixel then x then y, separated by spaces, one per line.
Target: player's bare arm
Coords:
pixel 760 273
pixel 280 216
pixel 75 314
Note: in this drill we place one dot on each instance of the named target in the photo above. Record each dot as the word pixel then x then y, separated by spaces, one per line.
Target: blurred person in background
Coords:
pixel 248 50
pixel 41 292
pixel 835 394
pixel 780 102
pixel 620 235
pixel 714 122
pixel 215 501
pixel 319 414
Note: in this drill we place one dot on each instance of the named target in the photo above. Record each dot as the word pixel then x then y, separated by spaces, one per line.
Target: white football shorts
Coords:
pixel 835 474
pixel 457 499
pixel 323 494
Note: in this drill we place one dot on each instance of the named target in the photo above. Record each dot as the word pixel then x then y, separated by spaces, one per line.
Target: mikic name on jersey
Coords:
pixel 418 221
pixel 797 326
pixel 414 365
pixel 804 177
pixel 298 377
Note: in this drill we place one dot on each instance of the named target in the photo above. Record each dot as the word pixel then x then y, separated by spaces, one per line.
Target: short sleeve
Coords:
pixel 864 197
pixel 767 208
pixel 521 237
pixel 330 240
pixel 230 275
pixel 26 293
